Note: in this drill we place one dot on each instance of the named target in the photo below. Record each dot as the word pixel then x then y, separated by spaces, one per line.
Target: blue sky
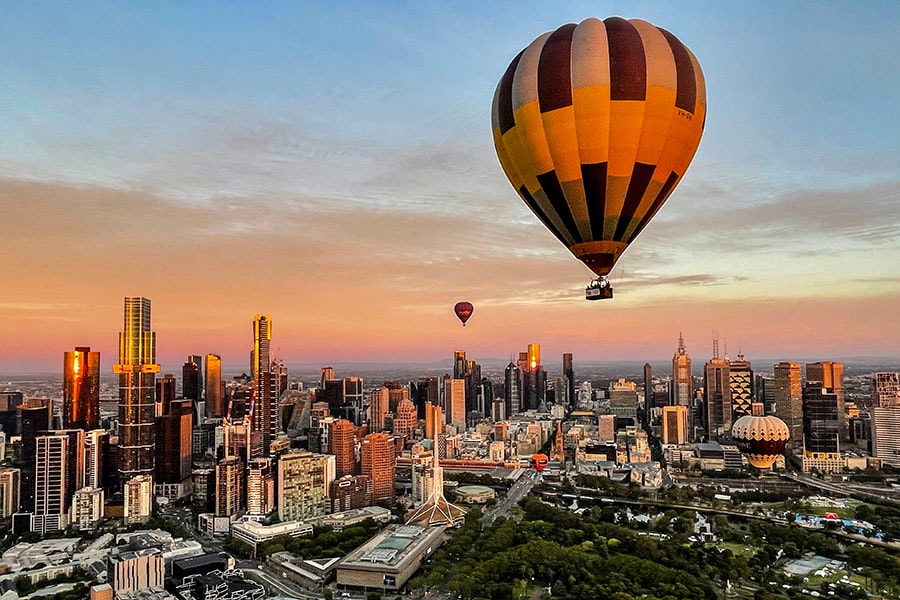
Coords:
pixel 365 114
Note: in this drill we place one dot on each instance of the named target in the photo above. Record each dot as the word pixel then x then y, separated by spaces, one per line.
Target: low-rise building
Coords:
pixel 390 558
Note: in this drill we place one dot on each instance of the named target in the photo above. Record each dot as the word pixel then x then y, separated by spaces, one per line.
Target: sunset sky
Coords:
pixel 331 165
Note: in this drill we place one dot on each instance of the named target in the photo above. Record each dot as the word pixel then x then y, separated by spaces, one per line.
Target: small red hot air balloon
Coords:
pixel 463 311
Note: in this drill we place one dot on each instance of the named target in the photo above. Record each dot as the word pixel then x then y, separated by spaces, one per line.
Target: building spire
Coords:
pixel 681 348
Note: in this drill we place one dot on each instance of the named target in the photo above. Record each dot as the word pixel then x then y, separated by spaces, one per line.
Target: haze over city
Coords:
pixel 332 166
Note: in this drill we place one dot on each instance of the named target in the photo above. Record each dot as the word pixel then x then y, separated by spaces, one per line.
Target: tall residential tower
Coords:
pixel 137 370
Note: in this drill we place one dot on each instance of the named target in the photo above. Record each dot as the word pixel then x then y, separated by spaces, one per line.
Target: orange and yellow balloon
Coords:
pixel 594 125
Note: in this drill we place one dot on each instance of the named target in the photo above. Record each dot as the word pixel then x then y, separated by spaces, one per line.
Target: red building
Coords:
pixel 377 454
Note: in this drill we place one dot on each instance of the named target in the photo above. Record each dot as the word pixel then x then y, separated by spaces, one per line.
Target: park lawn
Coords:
pixel 738 549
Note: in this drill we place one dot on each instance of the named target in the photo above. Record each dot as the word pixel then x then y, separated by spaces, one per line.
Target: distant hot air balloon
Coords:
pixel 594 125
pixel 539 461
pixel 463 311
pixel 761 438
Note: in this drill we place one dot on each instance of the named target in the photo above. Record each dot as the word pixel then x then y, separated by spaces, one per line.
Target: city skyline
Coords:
pixel 333 167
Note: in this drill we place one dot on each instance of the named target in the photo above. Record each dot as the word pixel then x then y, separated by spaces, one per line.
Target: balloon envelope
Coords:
pixel 463 311
pixel 760 438
pixel 594 125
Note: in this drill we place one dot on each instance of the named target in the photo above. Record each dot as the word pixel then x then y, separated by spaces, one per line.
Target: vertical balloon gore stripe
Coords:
pixel 505 114
pixel 627 62
pixel 686 92
pixel 550 184
pixel 640 179
pixel 540 214
pixel 594 178
pixel 664 191
pixel 555 70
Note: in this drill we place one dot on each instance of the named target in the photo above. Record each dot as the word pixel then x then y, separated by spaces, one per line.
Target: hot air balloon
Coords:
pixel 463 311
pixel 594 125
pixel 761 438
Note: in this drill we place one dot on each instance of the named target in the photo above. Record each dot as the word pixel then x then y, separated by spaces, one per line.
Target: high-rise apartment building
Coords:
pixel 137 370
pixel 301 485
pixel 455 402
pixel 260 487
pixel 9 491
pixel 81 389
pixel 377 462
pixel 95 443
pixel 192 379
pixel 230 487
pixel 138 499
pixel 789 400
pixel 87 508
pixel 215 387
pixel 264 417
pixel 343 446
pixel 623 398
pixel 50 500
pixel 34 419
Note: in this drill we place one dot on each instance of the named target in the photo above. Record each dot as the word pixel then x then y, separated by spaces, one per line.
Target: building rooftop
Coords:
pixel 392 547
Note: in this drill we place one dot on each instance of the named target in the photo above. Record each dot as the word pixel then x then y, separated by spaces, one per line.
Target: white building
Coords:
pixel 87 507
pixel 138 499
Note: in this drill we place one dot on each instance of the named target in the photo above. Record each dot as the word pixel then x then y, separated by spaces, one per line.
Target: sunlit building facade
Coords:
pixel 377 458
pixel 789 400
pixel 301 486
pixel 137 370
pixel 81 389
pixel 215 387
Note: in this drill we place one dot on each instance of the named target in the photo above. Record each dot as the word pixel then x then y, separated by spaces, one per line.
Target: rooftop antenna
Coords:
pixel 715 344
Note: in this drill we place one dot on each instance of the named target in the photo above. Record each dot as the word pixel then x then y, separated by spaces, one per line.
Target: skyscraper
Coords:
pixel 173 447
pixel 377 462
pixel 166 392
pixel 789 400
pixel 264 403
pixel 50 509
pixel 215 387
pixel 378 408
pixel 513 389
pixel 830 375
pixel 740 384
pixel 35 420
pixel 569 374
pixel 717 394
pixel 343 446
pixel 137 370
pixel 455 402
pixel 191 380
pixel 405 422
pixel 81 389
pixel 821 430
pixel 682 379
pixel 885 389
